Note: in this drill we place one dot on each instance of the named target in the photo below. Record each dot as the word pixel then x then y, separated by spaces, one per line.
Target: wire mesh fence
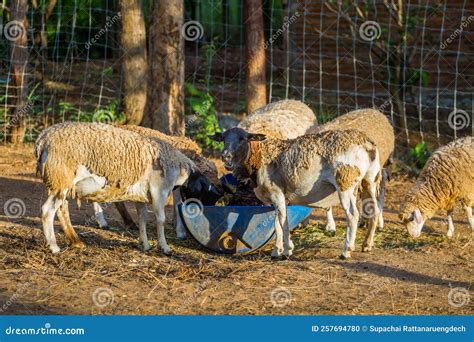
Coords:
pixel 411 59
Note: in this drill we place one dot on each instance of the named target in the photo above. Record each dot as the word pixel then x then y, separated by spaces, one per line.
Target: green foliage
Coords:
pixel 107 114
pixel 325 115
pixel 204 122
pixel 419 155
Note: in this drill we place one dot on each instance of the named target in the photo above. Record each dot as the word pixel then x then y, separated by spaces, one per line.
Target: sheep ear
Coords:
pixel 217 136
pixel 256 137
pixel 417 216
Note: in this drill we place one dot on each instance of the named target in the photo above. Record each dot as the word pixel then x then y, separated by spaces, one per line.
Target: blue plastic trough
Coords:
pixel 235 229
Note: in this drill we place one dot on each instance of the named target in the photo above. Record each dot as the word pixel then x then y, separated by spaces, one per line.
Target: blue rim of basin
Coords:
pixel 235 229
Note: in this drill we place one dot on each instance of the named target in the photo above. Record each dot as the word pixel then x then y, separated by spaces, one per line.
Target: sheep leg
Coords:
pixel 282 243
pixel 99 216
pixel 282 217
pixel 159 197
pixel 180 231
pixel 450 224
pixel 331 224
pixel 48 211
pixel 470 218
pixel 69 232
pixel 348 203
pixel 381 199
pixel 142 212
pixel 126 217
pixel 369 236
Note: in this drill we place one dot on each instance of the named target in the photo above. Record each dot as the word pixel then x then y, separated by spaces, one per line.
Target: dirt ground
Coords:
pixel 112 276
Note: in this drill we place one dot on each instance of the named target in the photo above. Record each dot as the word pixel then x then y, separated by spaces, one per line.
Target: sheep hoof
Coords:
pixel 345 255
pixel 146 247
pixel 330 232
pixel 54 249
pixel 366 248
pixel 182 236
pixel 106 227
pixel 168 251
pixel 79 244
pixel 277 252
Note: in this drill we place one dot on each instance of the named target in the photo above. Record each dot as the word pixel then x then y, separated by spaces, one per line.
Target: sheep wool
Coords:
pixel 121 157
pixel 185 145
pixel 300 151
pixel 446 179
pixel 286 119
pixel 373 123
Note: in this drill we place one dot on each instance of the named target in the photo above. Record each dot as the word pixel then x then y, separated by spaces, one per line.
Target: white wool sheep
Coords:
pixel 102 163
pixel 378 128
pixel 285 119
pixel 446 180
pixel 185 145
pixel 316 170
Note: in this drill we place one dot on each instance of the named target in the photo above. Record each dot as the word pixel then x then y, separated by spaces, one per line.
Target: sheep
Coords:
pixel 285 119
pixel 102 163
pixel 378 128
pixel 189 148
pixel 313 170
pixel 446 179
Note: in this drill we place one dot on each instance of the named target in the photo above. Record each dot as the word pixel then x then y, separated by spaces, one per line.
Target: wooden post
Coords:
pixel 16 32
pixel 134 60
pixel 165 106
pixel 255 47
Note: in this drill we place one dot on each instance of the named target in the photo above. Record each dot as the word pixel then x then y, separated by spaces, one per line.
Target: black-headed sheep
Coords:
pixel 316 170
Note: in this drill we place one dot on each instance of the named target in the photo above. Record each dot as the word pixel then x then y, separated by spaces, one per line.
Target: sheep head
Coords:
pixel 236 146
pixel 414 220
pixel 198 186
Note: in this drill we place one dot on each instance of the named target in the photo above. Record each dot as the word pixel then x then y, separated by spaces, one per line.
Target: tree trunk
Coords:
pixel 17 34
pixel 165 107
pixel 256 92
pixel 40 38
pixel 134 60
